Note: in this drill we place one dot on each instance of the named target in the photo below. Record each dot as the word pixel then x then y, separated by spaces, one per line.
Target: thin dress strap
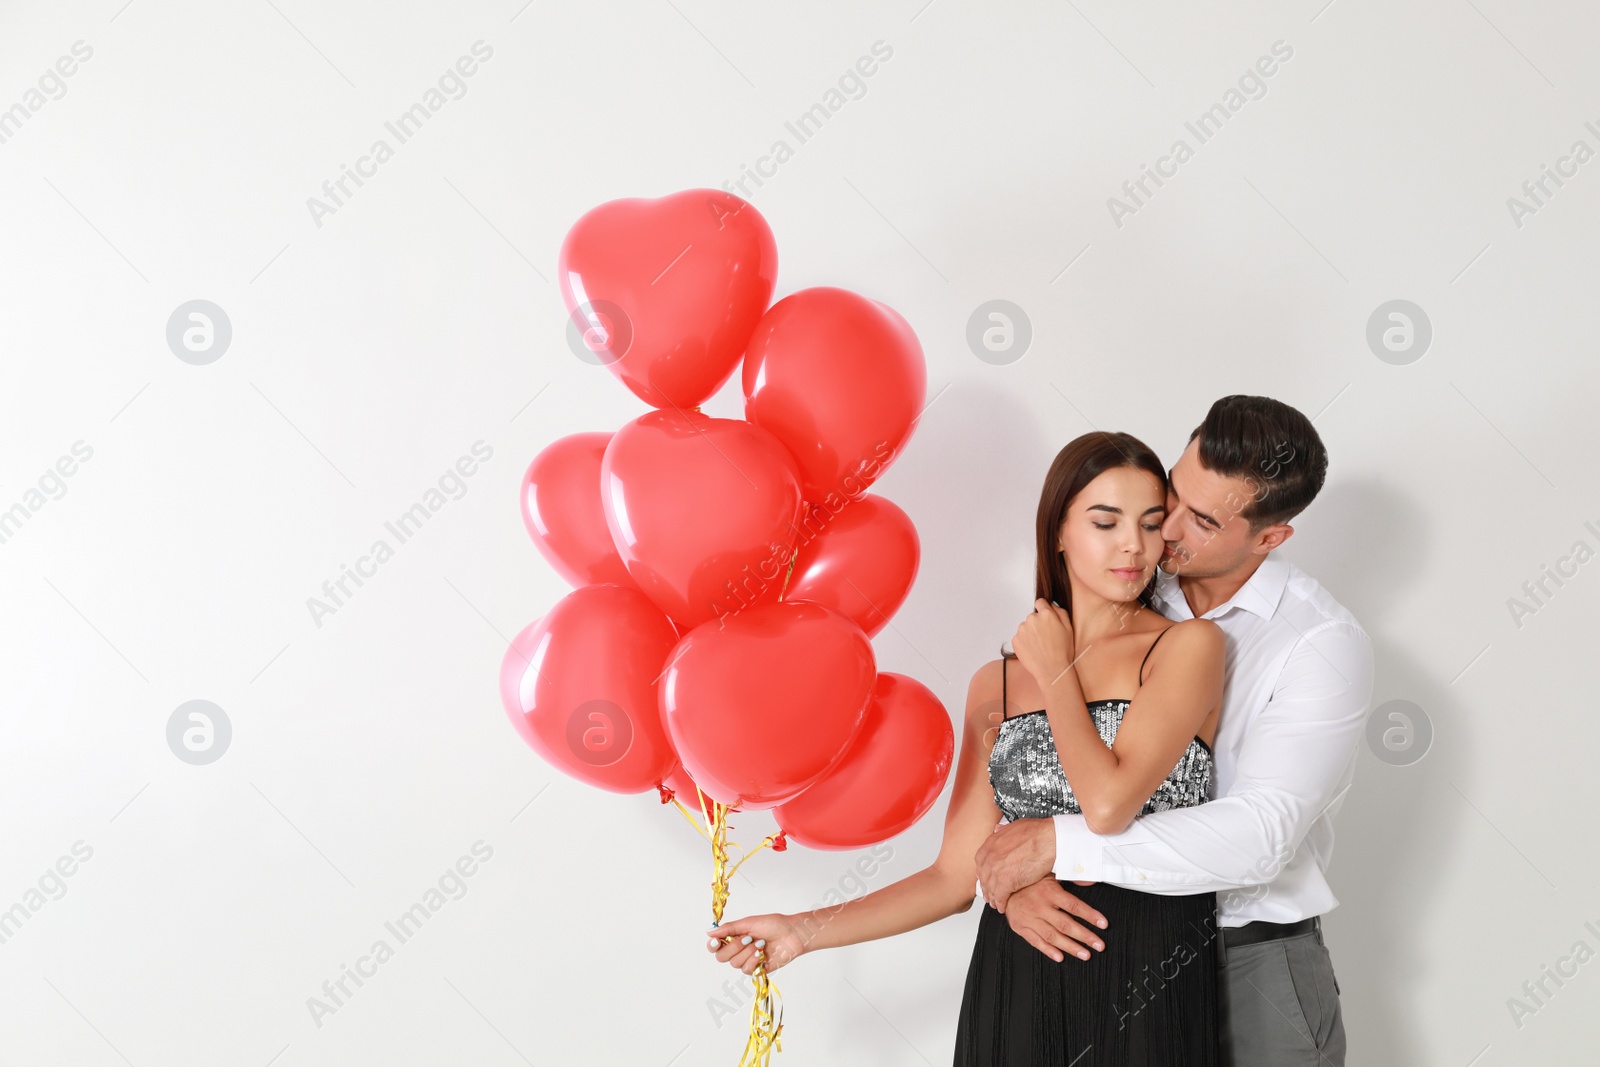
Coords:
pixel 1147 652
pixel 1003 663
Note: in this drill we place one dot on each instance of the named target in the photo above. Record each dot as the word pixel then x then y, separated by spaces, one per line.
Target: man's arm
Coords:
pixel 1292 760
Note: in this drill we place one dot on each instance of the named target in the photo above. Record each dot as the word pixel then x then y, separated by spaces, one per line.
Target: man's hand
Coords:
pixel 1042 913
pixel 1015 855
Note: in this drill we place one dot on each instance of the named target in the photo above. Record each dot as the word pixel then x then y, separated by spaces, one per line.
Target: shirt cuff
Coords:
pixel 1075 857
pixel 1083 856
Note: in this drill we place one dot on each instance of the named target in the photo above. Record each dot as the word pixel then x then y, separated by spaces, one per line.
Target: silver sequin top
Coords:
pixel 1030 784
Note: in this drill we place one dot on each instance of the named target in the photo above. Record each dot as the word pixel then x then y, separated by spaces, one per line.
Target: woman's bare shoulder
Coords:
pixel 1190 637
pixel 983 692
pixel 1207 628
pixel 985 682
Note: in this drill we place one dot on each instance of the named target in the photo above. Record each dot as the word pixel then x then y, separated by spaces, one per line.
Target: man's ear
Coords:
pixel 1273 536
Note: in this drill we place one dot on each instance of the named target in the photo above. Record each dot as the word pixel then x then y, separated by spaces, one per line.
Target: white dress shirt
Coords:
pixel 1298 686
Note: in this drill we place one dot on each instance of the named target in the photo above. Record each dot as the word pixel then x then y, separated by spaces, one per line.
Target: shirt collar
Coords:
pixel 1260 594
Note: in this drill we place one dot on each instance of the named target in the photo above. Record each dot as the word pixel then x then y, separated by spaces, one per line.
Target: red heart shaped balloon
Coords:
pixel 580 687
pixel 702 512
pixel 889 777
pixel 762 707
pixel 562 513
pixel 839 379
pixel 861 564
pixel 666 291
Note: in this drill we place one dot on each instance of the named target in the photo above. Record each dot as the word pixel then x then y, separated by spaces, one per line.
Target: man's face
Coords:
pixel 1205 536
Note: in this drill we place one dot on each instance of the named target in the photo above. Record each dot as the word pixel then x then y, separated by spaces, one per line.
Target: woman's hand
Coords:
pixel 777 937
pixel 1044 642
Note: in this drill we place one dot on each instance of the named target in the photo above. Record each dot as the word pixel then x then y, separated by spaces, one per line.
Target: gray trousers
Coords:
pixel 1280 1004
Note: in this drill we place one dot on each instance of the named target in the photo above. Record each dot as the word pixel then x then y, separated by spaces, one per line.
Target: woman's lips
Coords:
pixel 1128 574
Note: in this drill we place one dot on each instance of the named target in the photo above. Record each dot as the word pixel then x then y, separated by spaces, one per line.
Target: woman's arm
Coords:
pixel 1183 685
pixel 945 888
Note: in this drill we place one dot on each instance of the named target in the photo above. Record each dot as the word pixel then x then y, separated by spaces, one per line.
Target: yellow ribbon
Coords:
pixel 805 505
pixel 766 1011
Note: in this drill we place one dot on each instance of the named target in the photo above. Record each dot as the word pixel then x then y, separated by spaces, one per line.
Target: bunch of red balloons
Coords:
pixel 729 573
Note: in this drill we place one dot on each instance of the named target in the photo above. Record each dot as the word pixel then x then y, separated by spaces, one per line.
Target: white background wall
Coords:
pixel 371 351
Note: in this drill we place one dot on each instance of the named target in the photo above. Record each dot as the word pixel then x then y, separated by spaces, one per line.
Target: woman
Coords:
pixel 1124 711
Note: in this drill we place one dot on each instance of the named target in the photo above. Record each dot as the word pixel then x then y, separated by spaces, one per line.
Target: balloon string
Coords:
pixel 785 588
pixel 765 1033
pixel 764 1026
pixel 774 840
pixel 804 506
pixel 701 830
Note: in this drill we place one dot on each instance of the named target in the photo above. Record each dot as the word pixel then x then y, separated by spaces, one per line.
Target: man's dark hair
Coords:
pixel 1272 447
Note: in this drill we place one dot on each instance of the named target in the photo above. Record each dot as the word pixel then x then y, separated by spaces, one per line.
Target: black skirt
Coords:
pixel 1148 1000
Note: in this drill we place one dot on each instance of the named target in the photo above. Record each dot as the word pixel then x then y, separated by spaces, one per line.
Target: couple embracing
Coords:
pixel 1144 799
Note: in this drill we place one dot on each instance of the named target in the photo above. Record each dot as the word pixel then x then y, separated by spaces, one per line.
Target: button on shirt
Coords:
pixel 1298 685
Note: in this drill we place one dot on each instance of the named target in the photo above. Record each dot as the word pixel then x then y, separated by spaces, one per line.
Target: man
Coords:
pixel 1298 686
